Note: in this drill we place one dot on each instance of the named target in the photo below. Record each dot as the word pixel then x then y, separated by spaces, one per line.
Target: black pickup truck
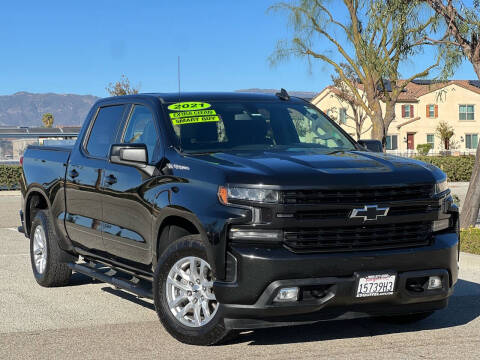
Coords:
pixel 239 211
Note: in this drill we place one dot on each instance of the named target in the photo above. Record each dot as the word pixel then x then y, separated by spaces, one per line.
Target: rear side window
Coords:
pixel 104 130
pixel 141 129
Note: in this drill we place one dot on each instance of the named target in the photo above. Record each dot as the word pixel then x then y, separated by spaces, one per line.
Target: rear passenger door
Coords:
pixel 84 178
pixel 127 212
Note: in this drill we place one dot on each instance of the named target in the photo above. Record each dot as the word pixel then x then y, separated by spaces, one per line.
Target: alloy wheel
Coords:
pixel 189 292
pixel 40 249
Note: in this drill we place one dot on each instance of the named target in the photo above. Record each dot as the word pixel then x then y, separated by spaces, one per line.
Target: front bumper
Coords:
pixel 247 302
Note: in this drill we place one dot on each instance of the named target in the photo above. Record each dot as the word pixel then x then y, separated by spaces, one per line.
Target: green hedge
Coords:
pixel 457 168
pixel 10 177
pixel 423 149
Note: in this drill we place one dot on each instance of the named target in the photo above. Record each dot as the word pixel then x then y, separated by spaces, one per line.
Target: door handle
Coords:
pixel 111 179
pixel 73 173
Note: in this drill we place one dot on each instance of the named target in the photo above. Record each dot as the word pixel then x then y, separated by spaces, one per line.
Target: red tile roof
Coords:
pixel 416 89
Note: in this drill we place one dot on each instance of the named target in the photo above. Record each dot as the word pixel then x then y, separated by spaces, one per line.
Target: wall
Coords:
pixel 447 99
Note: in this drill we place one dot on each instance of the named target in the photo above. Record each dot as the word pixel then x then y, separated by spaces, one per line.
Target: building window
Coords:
pixel 432 111
pixel 392 142
pixel 431 140
pixel 471 141
pixel 466 112
pixel 407 111
pixel 343 115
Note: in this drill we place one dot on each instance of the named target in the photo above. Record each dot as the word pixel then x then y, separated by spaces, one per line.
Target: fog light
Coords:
pixel 440 225
pixel 434 282
pixel 287 294
pixel 255 235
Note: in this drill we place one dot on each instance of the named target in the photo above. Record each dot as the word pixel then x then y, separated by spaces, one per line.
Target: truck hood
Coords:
pixel 309 168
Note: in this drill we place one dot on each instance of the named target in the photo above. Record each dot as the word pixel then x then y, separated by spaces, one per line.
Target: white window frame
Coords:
pixel 343 111
pixel 391 142
pixel 466 113
pixel 471 141
pixel 431 142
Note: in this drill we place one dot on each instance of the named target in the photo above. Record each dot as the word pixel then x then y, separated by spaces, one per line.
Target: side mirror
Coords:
pixel 129 154
pixel 372 145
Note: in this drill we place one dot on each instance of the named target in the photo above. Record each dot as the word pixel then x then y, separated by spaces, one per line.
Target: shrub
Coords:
pixel 470 240
pixel 10 177
pixel 423 149
pixel 457 168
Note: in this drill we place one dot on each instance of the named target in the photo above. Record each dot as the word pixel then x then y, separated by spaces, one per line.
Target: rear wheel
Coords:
pixel 184 296
pixel 45 254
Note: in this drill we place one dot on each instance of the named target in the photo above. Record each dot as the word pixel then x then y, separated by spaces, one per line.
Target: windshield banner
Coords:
pixel 195 119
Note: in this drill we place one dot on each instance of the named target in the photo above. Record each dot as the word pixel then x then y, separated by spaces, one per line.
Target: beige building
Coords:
pixel 20 145
pixel 421 107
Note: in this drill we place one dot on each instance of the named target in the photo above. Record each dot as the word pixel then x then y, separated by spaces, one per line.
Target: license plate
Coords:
pixel 376 285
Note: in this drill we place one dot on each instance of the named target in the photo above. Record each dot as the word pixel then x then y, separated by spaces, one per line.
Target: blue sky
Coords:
pixel 81 46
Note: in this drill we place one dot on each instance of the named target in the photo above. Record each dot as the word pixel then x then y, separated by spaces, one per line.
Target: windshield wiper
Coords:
pixel 336 152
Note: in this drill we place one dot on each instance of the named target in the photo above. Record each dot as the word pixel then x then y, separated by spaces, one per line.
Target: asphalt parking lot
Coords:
pixel 91 320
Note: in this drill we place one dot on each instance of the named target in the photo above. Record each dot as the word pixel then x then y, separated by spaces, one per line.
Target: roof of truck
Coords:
pixel 209 96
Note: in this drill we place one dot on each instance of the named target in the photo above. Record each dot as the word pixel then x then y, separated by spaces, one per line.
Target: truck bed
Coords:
pixel 46 166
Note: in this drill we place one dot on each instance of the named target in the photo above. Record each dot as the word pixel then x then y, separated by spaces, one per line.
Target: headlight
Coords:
pixel 441 187
pixel 225 194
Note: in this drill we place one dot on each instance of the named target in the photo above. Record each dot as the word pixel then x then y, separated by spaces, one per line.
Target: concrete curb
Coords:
pixel 468 255
pixel 10 193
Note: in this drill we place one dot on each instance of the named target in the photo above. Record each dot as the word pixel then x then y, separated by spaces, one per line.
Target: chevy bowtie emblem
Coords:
pixel 369 212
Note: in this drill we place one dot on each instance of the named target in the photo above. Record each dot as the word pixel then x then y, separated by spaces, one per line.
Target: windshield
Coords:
pixel 219 126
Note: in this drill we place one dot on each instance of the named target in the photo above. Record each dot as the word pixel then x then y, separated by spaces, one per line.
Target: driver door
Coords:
pixel 127 214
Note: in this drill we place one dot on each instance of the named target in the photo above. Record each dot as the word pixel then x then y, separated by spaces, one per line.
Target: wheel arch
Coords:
pixel 176 223
pixel 35 200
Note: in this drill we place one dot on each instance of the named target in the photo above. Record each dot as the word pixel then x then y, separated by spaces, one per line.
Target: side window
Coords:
pixel 315 130
pixel 141 129
pixel 104 130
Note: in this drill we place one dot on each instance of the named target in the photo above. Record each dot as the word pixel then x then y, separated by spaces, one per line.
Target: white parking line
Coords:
pixel 12 229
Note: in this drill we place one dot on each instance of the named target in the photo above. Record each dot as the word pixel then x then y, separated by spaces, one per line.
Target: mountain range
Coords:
pixel 26 109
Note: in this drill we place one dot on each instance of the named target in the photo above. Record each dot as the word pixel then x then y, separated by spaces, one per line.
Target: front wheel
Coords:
pixel 184 296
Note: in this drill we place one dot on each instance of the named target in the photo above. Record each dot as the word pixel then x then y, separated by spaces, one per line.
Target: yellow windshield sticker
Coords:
pixel 181 114
pixel 195 119
pixel 189 105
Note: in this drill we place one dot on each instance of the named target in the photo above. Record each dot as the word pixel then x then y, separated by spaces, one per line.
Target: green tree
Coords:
pixel 461 37
pixel 122 87
pixel 445 133
pixel 374 39
pixel 47 120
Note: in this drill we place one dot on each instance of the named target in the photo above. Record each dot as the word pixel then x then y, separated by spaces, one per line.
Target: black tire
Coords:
pixel 214 332
pixel 407 318
pixel 56 272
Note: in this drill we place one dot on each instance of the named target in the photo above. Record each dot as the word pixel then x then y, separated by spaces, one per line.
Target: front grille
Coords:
pixel 355 238
pixel 358 196
pixel 345 213
pixel 413 209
